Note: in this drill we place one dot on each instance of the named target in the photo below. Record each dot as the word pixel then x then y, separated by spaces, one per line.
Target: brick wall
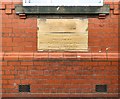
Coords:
pixel 59 74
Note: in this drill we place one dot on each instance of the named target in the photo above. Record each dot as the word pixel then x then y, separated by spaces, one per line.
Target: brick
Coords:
pixel 18 40
pixel 21 77
pixel 115 63
pixel 1 72
pixel 7 30
pixel 25 82
pixel 33 72
pixel 13 63
pixel 116 12
pixel 108 2
pixel 4 63
pixel 7 21
pixel 31 39
pixel 7 77
pixel 30 49
pixel 114 16
pixel 26 25
pixel 8 25
pixel 13 72
pixel 111 6
pixel 7 72
pixel 104 63
pixel 13 81
pixel 10 6
pixel 8 68
pixel 17 2
pixel 20 68
pixel 10 57
pixel 31 30
pixel 26 57
pixel 114 68
pixel 29 44
pixel 7 49
pixel 116 6
pixel 11 16
pixel 8 86
pixel 4 82
pixel 111 77
pixel 26 63
pixel 17 30
pixel 40 55
pixel 2 7
pixel 18 49
pixel 14 20
pixel 34 68
pixel 7 44
pixel 23 72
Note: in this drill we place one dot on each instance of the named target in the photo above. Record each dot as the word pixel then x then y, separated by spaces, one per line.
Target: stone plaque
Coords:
pixel 62 34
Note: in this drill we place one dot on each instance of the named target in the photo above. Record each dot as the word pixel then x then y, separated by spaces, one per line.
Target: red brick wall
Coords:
pixel 58 74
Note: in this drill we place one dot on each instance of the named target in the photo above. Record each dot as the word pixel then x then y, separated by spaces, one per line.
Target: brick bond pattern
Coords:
pixel 58 74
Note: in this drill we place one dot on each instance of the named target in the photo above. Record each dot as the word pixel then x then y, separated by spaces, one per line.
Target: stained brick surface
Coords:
pixel 60 74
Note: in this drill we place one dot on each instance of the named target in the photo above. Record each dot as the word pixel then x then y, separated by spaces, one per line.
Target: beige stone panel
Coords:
pixel 63 34
pixel 62 25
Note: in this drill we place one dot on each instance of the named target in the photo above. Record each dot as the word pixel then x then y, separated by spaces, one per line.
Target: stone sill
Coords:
pixel 62 9
pixel 59 56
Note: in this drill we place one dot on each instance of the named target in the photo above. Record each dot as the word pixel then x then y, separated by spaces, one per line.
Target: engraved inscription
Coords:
pixel 63 34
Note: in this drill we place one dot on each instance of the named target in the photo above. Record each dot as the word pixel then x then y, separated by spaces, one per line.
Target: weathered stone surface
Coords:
pixel 62 9
pixel 63 34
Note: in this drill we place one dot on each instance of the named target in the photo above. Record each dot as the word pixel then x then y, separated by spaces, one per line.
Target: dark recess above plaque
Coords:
pixel 62 9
